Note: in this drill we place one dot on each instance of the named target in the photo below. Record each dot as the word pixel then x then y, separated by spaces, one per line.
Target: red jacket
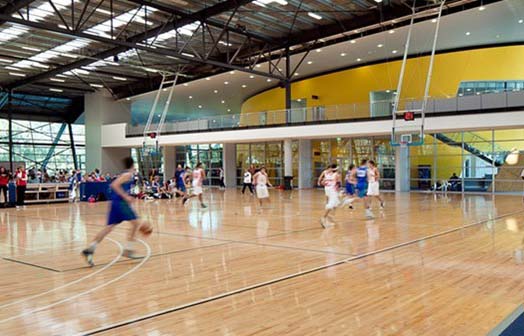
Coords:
pixel 21 178
pixel 4 180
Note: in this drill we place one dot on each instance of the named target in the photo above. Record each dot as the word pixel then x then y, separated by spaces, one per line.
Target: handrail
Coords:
pixel 337 113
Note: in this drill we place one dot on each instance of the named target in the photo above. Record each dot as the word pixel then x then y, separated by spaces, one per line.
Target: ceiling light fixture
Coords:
pixel 244 86
pixel 223 101
pixel 56 90
pixel 353 41
pixel 207 78
pixel 392 31
pixel 380 45
pixel 119 78
pixel 5 60
pixel 226 83
pixel 199 106
pixel 232 72
pixel 185 84
pixel 521 21
pixel 251 76
pixel 268 80
pixel 57 80
pixel 343 54
pixel 31 49
pixel 188 55
pixel 229 110
pixel 468 33
pixel 318 50
pixel 96 85
pixel 258 65
pixel 296 74
pixel 434 21
pixel 309 62
pixel 359 59
pixel 394 51
pixel 314 16
pixel 481 8
pixel 17 74
pixel 190 97
pixel 215 91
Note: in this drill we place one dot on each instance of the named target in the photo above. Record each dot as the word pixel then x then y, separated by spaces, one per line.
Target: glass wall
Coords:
pixel 471 88
pixel 42 145
pixel 469 161
pixel 210 155
pixel 268 154
pixel 345 151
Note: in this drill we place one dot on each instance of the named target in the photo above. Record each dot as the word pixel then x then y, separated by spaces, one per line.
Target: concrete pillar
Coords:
pixel 305 162
pixel 112 159
pixel 168 154
pixel 229 164
pixel 402 169
pixel 102 109
pixel 288 158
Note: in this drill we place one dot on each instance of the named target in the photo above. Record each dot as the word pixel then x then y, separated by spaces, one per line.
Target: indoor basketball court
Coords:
pixel 263 167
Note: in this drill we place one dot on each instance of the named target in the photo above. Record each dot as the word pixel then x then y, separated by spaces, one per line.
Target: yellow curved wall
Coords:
pixel 354 85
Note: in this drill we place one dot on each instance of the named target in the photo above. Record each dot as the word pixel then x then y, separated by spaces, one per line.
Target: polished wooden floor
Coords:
pixel 427 265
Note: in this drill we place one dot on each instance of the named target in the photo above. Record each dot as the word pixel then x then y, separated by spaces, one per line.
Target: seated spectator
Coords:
pixel 454 183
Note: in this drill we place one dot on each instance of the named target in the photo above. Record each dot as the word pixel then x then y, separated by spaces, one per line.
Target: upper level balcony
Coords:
pixel 357 112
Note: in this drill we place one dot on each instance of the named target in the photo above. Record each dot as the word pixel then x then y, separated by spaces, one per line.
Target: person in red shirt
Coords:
pixel 21 185
pixel 4 182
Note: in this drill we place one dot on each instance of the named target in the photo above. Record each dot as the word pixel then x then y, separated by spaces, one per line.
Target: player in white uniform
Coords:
pixel 261 181
pixel 373 184
pixel 198 176
pixel 330 179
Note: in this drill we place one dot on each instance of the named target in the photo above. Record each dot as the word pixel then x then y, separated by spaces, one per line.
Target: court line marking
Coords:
pixel 32 265
pixel 70 298
pixel 121 249
pixel 159 254
pixel 279 279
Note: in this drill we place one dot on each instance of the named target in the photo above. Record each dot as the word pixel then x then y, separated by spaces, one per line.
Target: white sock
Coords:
pixel 129 245
pixel 92 246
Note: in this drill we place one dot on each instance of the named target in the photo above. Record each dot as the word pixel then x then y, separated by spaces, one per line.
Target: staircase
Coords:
pixel 473 144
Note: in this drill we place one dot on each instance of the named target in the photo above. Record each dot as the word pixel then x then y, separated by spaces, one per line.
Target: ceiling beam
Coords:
pixel 213 23
pixel 133 43
pixel 13 7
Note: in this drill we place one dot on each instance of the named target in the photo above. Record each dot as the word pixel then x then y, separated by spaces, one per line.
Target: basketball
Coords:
pixel 146 229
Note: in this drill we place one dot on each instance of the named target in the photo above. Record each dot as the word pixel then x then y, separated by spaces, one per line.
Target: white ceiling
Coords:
pixel 497 23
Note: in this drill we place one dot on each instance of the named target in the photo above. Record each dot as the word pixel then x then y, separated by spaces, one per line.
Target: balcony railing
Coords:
pixel 338 113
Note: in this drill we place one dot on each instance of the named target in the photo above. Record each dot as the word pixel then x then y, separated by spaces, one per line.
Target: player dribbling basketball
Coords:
pixel 120 211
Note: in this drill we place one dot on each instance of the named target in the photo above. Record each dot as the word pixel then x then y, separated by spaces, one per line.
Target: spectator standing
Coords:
pixel 4 183
pixel 21 185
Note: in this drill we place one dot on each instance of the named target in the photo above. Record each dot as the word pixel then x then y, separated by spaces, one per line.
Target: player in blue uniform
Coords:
pixel 120 211
pixel 362 186
pixel 351 183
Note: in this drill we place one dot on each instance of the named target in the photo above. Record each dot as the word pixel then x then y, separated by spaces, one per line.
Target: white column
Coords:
pixel 229 164
pixel 168 153
pixel 402 169
pixel 288 158
pixel 101 109
pixel 305 161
